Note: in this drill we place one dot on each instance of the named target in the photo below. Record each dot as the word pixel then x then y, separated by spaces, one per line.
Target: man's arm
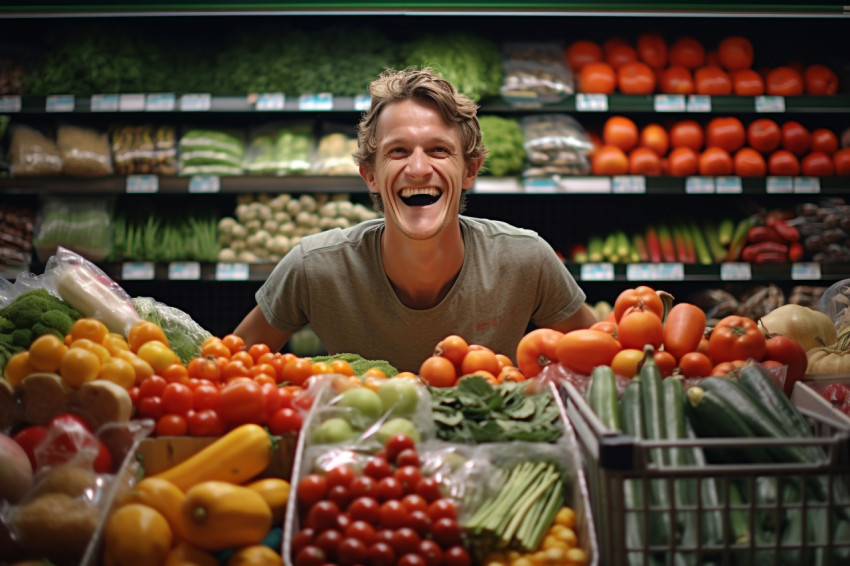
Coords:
pixel 254 329
pixel 583 318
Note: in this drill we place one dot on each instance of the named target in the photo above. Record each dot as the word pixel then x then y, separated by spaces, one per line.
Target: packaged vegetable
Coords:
pixel 185 336
pixel 33 154
pixel 535 74
pixel 79 223
pixel 555 144
pixel 85 151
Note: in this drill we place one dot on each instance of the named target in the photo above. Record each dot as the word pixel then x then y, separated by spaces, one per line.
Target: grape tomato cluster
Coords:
pixel 381 513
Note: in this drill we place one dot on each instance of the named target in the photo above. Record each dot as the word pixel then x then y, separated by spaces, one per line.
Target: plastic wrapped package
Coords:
pixel 82 224
pixel 85 151
pixel 16 233
pixel 185 336
pixel 555 144
pixel 279 150
pixel 144 149
pixel 535 74
pixel 835 303
pixel 33 154
pixel 211 152
pixel 333 154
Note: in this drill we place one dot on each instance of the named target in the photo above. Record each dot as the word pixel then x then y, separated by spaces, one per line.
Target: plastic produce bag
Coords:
pixel 334 153
pixel 82 224
pixel 211 152
pixel 555 144
pixel 85 151
pixel 144 149
pixel 185 336
pixel 280 150
pixel 535 74
pixel 835 303
pixel 85 287
pixel 32 154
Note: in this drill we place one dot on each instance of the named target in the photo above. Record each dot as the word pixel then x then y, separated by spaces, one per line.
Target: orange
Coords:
pixel 18 367
pixel 142 332
pixel 118 371
pixel 46 352
pixel 90 328
pixel 93 347
pixel 78 366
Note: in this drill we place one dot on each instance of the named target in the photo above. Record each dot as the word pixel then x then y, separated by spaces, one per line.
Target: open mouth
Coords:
pixel 420 197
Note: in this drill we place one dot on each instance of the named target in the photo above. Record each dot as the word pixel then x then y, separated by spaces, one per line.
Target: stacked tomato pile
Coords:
pixel 723 146
pixel 685 66
pixel 454 358
pixel 383 513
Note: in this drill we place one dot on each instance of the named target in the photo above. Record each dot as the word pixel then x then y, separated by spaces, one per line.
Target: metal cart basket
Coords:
pixel 759 514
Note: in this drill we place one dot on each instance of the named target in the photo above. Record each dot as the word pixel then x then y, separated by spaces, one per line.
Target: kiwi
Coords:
pixel 56 526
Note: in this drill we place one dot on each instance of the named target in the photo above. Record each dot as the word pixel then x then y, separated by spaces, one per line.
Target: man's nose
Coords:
pixel 418 164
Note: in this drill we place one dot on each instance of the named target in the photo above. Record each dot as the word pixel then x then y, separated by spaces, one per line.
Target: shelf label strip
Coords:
pixel 199 102
pixel 699 103
pixel 588 102
pixel 803 271
pixel 59 103
pixel 314 102
pixel 10 103
pixel 735 271
pixel 770 103
pixel 655 272
pixel 142 184
pixel 231 271
pixel 137 270
pixel 104 102
pixel 597 271
pixel 161 102
pixel 204 184
pixel 184 270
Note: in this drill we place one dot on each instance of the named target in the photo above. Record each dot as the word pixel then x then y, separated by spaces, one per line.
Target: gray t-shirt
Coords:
pixel 335 281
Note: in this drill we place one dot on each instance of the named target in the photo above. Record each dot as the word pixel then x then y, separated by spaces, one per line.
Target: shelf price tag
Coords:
pixel 699 186
pixel 597 271
pixel 204 184
pixel 142 183
pixel 669 103
pixel 160 102
pixel 541 185
pixel 807 185
pixel 591 102
pixel 655 272
pixel 585 185
pixel 104 103
pixel 728 185
pixel 137 270
pixel 735 271
pixel 184 270
pixel 313 102
pixel 629 184
pixel 503 185
pixel 699 103
pixel 362 102
pixel 779 185
pixel 270 101
pixel 10 103
pixel 59 103
pixel 805 270
pixel 770 104
pixel 131 102
pixel 231 271
pixel 198 102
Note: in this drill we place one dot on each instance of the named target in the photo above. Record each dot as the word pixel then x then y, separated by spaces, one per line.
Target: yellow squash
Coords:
pixel 276 493
pixel 163 496
pixel 184 554
pixel 236 457
pixel 219 515
pixel 136 535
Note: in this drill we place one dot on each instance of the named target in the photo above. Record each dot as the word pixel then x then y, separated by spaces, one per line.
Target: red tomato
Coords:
pixel 536 349
pixel 715 161
pixel 393 514
pixel 310 555
pixel 388 488
pixel 311 489
pixel 796 138
pixel 597 77
pixel 639 327
pixel 584 349
pixel 152 387
pixel 825 140
pixel 242 401
pixel 725 132
pixel 618 52
pixel 582 51
pixel 621 132
pixel 747 162
pixel 695 364
pixel 177 399
pixel 644 161
pixel 784 81
pixel 735 53
pixel 747 82
pixel 841 159
pixel 635 77
pixel 712 80
pixel 736 338
pixel 665 361
pixel 205 396
pixel 285 420
pixel 609 160
pixel 206 422
pixel 684 327
pixel 442 509
pixel 377 468
pixel 764 135
pixel 641 297
pixel 381 554
pixel 172 425
pixel 352 551
pixel 729 369
pixel 456 556
pixel 683 162
pixel 687 133
pixel 429 489
pixel 204 367
pixel 783 162
pixel 790 353
pixel 677 79
pixel 688 52
pixel 431 552
pixel 365 508
pixel 29 438
pixel 820 80
pixel 651 48
pixel 817 164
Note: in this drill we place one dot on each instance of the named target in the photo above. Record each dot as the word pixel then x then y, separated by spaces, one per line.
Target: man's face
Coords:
pixel 419 169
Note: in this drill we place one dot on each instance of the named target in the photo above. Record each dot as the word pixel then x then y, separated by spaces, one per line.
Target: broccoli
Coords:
pixel 21 337
pixel 57 321
pixel 6 325
pixel 39 328
pixel 30 315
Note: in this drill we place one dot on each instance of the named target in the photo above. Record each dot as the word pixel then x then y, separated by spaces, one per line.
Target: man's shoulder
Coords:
pixel 337 237
pixel 494 228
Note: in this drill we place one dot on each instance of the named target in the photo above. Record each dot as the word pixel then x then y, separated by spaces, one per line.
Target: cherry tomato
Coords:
pixel 172 425
pixel 381 554
pixel 389 488
pixel 456 556
pixel 396 443
pixel 310 555
pixel 365 509
pixel 377 468
pixel 311 489
pixel 411 559
pixel 323 515
pixel 363 531
pixel 408 457
pixel 419 521
pixel 29 438
pixel 446 532
pixel 431 552
pixel 408 477
pixel 206 422
pixel 442 509
pixel 429 489
pixel 362 486
pixel 405 541
pixel 302 538
pixel 392 514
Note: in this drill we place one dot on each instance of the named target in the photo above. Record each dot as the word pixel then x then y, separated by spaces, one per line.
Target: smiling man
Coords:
pixel 392 288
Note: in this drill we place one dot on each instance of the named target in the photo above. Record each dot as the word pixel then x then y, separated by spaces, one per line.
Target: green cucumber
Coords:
pixel 712 516
pixel 684 489
pixel 757 383
pixel 594 249
pixel 602 396
pixel 631 421
pixel 704 256
pixel 713 416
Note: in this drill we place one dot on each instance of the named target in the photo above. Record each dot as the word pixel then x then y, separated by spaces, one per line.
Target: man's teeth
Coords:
pixel 420 196
pixel 405 193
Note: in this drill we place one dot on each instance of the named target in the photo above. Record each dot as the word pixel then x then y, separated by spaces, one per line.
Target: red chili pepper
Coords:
pixel 764 234
pixel 786 231
pixel 795 251
pixel 752 251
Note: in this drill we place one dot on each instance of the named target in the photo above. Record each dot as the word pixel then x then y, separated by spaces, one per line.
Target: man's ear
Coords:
pixel 472 170
pixel 369 176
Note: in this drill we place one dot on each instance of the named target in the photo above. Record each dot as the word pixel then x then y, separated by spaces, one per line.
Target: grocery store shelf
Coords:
pixel 616 185
pixel 270 103
pixel 587 272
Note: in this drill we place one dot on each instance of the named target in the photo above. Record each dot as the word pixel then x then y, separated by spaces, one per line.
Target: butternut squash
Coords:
pixel 218 515
pixel 236 457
